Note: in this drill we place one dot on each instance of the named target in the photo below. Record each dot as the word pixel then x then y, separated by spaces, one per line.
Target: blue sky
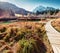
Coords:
pixel 31 4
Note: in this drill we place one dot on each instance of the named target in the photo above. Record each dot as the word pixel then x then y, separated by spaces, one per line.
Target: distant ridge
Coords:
pixel 42 8
pixel 8 6
pixel 46 10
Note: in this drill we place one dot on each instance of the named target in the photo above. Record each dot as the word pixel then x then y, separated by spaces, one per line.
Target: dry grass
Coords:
pixel 37 29
pixel 56 24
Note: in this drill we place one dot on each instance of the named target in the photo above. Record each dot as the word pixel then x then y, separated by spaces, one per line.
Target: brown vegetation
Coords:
pixel 24 37
pixel 56 24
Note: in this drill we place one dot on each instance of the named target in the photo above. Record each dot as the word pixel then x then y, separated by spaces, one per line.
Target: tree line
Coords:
pixel 51 12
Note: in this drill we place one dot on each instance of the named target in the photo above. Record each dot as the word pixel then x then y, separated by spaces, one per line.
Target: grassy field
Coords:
pixel 24 37
pixel 56 24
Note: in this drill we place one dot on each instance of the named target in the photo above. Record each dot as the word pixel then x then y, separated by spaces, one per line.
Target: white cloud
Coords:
pixel 4 0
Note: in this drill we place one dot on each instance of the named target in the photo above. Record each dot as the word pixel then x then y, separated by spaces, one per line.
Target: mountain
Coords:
pixel 39 8
pixel 42 8
pixel 11 7
pixel 5 13
pixel 1 12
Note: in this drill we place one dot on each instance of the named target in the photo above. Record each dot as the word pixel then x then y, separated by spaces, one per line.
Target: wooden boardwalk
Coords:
pixel 54 37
